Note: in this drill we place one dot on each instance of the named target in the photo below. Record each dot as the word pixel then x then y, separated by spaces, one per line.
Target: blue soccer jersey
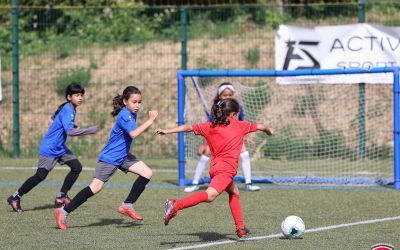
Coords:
pixel 53 143
pixel 119 143
pixel 241 115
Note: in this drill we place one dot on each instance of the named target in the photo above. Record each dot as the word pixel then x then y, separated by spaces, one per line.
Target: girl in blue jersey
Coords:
pixel 53 149
pixel 225 90
pixel 115 155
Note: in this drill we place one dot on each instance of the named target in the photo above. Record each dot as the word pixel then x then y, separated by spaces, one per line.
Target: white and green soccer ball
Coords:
pixel 292 227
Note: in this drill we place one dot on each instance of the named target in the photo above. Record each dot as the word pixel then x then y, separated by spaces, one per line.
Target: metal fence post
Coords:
pixel 183 21
pixel 361 94
pixel 15 71
pixel 181 97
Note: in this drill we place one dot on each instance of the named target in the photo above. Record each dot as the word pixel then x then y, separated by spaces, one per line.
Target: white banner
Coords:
pixel 343 46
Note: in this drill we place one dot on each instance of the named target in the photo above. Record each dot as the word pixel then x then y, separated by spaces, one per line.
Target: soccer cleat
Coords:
pixel 15 204
pixel 62 201
pixel 242 232
pixel 191 188
pixel 251 187
pixel 169 211
pixel 60 219
pixel 130 212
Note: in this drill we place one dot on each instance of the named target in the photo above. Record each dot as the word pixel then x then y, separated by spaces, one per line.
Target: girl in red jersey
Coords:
pixel 224 135
pixel 225 90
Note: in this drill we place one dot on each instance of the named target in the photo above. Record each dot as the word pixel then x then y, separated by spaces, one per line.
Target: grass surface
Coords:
pixel 96 224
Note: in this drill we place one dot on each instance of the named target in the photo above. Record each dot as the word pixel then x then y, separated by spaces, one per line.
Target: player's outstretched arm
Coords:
pixel 82 131
pixel 183 128
pixel 136 132
pixel 265 128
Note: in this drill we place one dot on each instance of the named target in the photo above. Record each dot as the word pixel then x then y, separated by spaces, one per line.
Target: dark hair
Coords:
pixel 72 88
pixel 222 109
pixel 216 98
pixel 118 101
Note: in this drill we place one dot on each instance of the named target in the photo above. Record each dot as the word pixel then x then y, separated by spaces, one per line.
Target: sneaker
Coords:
pixel 60 219
pixel 130 212
pixel 251 187
pixel 15 204
pixel 169 211
pixel 62 201
pixel 242 232
pixel 191 188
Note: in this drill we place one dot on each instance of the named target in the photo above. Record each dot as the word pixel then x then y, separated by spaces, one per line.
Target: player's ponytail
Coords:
pixel 118 100
pixel 222 109
pixel 71 89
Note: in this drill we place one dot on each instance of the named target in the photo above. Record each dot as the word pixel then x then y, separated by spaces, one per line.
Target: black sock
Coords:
pixel 28 185
pixel 76 168
pixel 138 186
pixel 79 199
pixel 33 181
pixel 15 196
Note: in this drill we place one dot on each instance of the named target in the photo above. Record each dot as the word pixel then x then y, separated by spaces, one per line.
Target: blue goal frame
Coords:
pixel 181 74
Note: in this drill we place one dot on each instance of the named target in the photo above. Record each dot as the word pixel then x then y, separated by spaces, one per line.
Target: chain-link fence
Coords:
pixel 109 48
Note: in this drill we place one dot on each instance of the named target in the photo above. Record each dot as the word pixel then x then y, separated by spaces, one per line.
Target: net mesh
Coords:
pixel 324 132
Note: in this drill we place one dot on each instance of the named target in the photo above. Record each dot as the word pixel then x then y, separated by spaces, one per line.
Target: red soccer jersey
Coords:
pixel 225 142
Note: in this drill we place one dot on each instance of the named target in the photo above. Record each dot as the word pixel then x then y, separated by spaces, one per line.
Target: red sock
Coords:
pixel 191 200
pixel 236 210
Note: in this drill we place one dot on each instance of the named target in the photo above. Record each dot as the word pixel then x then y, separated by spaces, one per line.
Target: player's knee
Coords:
pixel 207 152
pixel 97 190
pixel 75 165
pixel 147 173
pixel 211 197
pixel 236 190
pixel 236 193
pixel 201 150
pixel 41 173
pixel 96 187
pixel 212 194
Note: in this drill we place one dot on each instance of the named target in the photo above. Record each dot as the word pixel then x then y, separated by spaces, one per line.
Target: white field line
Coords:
pixel 312 230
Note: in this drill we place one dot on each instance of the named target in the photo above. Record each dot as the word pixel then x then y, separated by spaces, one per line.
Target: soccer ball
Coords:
pixel 292 227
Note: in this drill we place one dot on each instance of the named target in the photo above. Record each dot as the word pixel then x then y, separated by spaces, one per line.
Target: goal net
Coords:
pixel 326 133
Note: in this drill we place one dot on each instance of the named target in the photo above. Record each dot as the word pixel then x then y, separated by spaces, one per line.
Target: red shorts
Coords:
pixel 221 180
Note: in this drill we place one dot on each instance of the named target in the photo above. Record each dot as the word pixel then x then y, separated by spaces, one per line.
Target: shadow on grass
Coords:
pixel 203 238
pixel 173 182
pixel 285 238
pixel 106 222
pixel 44 207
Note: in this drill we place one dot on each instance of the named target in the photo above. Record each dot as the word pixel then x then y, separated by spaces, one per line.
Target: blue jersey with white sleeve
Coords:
pixel 241 115
pixel 119 143
pixel 53 143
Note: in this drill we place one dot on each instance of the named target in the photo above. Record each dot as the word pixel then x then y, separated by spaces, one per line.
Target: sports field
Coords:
pixel 335 217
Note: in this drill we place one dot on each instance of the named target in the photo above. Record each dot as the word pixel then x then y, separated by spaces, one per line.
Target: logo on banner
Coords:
pixel 337 47
pixel 302 56
pixel 382 246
